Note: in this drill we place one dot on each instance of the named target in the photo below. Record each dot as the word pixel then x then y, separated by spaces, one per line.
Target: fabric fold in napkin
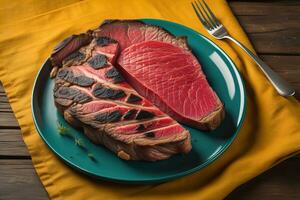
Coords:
pixel 29 31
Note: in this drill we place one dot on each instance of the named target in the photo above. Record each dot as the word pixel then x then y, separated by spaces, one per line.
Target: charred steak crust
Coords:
pixel 72 94
pixel 130 114
pixel 107 117
pixel 98 61
pixel 133 98
pixel 80 80
pixel 115 75
pixel 103 41
pixel 68 46
pixel 110 112
pixel 76 55
pixel 143 114
pixel 213 120
pixel 103 92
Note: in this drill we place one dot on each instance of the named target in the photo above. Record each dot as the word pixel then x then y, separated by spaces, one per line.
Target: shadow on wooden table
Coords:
pixel 279 183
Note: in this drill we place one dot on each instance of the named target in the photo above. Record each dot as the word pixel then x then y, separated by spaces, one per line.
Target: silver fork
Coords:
pixel 216 29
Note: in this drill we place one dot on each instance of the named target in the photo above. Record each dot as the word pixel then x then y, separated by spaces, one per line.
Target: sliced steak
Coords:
pixel 171 78
pixel 91 94
pixel 128 32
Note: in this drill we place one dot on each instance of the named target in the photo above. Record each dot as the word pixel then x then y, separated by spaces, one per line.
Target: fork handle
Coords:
pixel 282 87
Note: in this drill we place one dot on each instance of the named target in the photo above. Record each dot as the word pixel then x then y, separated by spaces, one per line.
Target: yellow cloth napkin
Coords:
pixel 29 31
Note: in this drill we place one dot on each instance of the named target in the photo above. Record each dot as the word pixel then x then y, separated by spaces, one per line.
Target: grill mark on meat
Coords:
pixel 150 134
pixel 98 120
pixel 143 114
pixel 87 53
pixel 141 127
pixel 104 92
pixel 115 75
pixel 106 83
pixel 126 109
pixel 68 46
pixel 130 114
pixel 98 61
pixel 103 41
pixel 72 94
pixel 133 98
pixel 118 79
pixel 83 54
pixel 80 80
pixel 118 102
pixel 76 56
pixel 109 117
pixel 88 117
pixel 112 72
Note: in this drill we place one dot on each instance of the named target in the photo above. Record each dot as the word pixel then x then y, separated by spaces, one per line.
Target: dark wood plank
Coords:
pixel 1 88
pixel 19 181
pixel 8 120
pixel 280 183
pixel 11 144
pixel 287 67
pixel 273 27
pixel 264 7
pixel 4 105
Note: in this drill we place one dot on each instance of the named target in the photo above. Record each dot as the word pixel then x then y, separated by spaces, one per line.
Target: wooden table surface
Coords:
pixel 274 29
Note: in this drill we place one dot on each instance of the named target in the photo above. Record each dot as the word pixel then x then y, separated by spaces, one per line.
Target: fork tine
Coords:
pixel 217 22
pixel 211 21
pixel 200 15
pixel 209 26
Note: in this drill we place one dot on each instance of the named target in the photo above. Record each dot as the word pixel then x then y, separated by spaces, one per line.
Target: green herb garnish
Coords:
pixel 80 143
pixel 64 131
pixel 91 156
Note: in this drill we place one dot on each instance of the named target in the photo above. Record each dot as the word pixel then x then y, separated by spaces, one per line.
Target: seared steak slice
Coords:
pixel 91 94
pixel 128 32
pixel 172 79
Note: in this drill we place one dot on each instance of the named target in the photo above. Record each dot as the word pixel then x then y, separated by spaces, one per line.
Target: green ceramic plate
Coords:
pixel 207 146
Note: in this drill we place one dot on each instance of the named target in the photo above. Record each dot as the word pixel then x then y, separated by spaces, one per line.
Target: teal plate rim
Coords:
pixel 163 178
